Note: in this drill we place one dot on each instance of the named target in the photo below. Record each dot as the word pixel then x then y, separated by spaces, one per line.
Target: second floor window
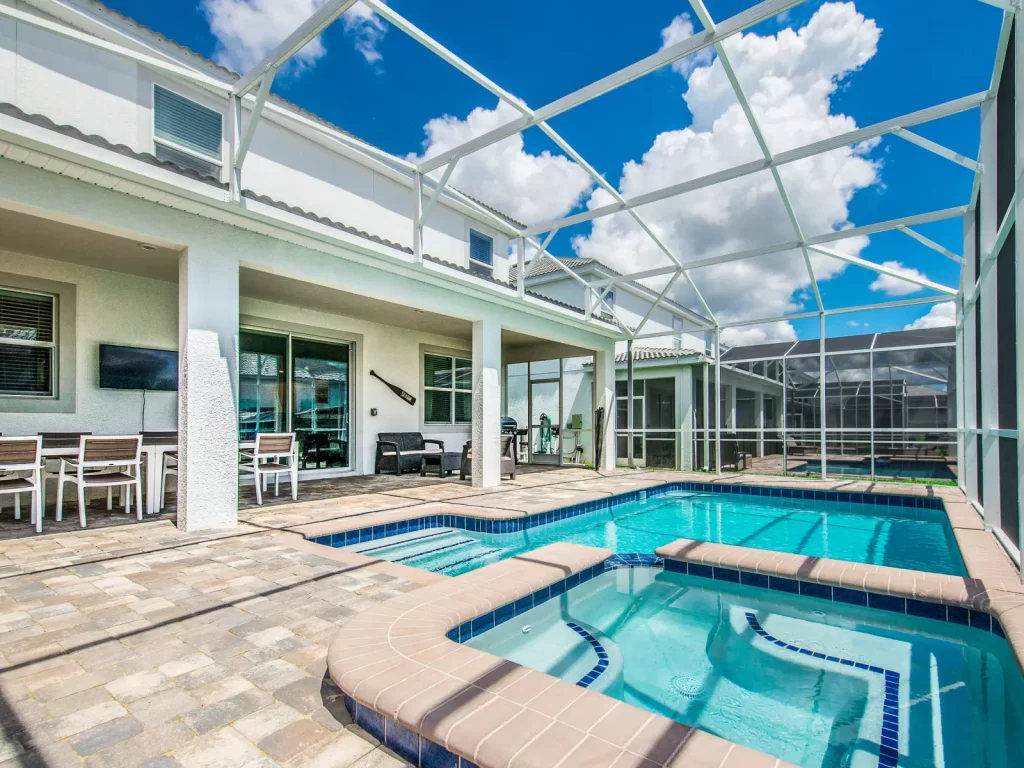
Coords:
pixel 28 343
pixel 481 254
pixel 186 133
pixel 447 389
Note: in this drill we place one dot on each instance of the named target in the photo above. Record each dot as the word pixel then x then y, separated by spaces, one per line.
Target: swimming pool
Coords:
pixel 911 470
pixel 810 681
pixel 899 531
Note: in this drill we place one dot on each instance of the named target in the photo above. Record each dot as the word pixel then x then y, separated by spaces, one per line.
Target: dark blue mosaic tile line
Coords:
pixel 406 743
pixel 890 603
pixel 602 656
pixel 889 740
pixel 474 627
pixel 468 560
pixel 362 535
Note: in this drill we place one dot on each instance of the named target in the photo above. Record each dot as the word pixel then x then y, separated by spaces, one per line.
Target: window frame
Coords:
pixel 54 393
pixel 486 269
pixel 452 390
pixel 170 144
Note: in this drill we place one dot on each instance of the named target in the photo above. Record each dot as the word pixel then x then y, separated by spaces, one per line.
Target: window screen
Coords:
pixel 481 253
pixel 27 343
pixel 447 389
pixel 186 133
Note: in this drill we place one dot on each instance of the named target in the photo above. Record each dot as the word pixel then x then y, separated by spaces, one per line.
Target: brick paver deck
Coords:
pixel 138 645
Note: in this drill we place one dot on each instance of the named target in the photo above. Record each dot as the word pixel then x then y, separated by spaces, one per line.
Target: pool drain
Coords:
pixel 689 686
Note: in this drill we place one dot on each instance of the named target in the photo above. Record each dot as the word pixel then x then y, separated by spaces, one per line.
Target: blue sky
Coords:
pixel 543 49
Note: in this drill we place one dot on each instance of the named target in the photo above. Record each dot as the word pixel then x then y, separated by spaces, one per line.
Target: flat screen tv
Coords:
pixel 138 368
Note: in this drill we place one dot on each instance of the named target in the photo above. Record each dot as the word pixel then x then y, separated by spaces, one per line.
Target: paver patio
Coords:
pixel 139 645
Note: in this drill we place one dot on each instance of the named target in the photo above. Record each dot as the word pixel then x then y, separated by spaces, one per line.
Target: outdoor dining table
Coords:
pixel 153 449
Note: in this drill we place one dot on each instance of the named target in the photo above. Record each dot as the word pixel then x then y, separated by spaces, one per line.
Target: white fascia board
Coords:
pixel 41 148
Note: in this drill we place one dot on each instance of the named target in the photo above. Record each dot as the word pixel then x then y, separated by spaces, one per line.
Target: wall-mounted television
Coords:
pixel 138 368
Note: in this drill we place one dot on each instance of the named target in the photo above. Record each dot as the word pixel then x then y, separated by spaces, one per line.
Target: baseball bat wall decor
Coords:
pixel 397 390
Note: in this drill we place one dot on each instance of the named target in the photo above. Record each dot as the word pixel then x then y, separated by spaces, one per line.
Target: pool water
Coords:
pixel 903 537
pixel 908 470
pixel 737 661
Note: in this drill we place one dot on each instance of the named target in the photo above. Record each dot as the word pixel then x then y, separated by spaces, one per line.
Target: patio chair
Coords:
pixel 168 463
pixel 22 455
pixel 508 458
pixel 116 461
pixel 270 448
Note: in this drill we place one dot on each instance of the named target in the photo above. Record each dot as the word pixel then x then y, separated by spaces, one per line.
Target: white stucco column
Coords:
pixel 730 418
pixel 207 390
pixel 759 416
pixel 486 428
pixel 604 397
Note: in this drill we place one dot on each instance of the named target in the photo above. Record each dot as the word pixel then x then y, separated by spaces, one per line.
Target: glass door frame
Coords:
pixel 557 425
pixel 289 399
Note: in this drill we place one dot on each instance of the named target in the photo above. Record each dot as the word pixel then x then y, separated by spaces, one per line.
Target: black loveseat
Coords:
pixel 401 451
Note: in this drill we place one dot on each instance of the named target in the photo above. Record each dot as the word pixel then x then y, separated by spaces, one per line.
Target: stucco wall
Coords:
pixel 106 94
pixel 111 308
pixel 116 308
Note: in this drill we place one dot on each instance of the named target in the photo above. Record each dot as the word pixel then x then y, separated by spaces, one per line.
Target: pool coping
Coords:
pixel 916 589
pixel 436 702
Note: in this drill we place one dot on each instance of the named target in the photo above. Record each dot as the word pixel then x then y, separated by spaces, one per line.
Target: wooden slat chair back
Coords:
pixel 23 455
pixel 274 444
pixel 110 450
pixel 17 453
pixel 119 459
pixel 275 454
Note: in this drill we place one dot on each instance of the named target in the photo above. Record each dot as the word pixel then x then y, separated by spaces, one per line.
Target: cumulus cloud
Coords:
pixel 939 316
pixel 247 30
pixel 680 29
pixel 893 286
pixel 789 79
pixel 527 186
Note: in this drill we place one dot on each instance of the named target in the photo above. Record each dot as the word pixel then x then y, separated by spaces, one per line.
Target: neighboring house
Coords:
pixel 118 226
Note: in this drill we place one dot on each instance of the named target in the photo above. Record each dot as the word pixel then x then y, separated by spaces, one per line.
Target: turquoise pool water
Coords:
pixel 938 694
pixel 910 470
pixel 903 537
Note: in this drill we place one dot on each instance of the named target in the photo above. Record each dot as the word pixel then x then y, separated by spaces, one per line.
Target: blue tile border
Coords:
pixel 909 606
pixel 515 525
pixel 406 743
pixel 602 656
pixel 889 741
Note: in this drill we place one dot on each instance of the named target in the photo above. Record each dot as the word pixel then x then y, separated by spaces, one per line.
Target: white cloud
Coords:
pixel 893 286
pixel 680 29
pixel 526 186
pixel 367 28
pixel 938 316
pixel 247 30
pixel 789 79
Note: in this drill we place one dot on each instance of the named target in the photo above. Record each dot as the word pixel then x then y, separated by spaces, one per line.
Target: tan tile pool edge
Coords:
pixel 396 660
pixel 992 596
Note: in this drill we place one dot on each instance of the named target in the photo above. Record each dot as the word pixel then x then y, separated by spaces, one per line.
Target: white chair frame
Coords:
pixel 34 480
pixel 169 468
pixel 252 458
pixel 78 467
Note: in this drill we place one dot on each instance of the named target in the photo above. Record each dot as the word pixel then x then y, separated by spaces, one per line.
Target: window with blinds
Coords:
pixel 186 133
pixel 27 343
pixel 447 390
pixel 481 254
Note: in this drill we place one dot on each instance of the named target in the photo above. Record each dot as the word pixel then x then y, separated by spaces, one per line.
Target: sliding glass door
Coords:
pixel 320 403
pixel 293 384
